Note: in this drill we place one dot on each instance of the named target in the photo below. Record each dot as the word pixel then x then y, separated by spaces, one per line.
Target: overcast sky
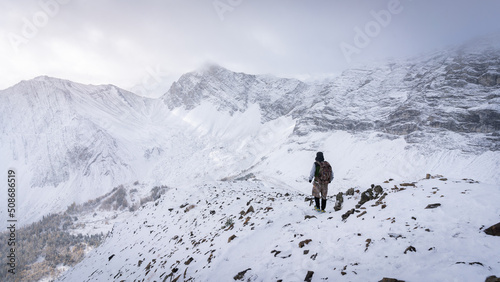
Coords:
pixel 127 43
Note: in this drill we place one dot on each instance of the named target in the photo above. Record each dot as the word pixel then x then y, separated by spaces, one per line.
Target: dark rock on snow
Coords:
pixel 493 230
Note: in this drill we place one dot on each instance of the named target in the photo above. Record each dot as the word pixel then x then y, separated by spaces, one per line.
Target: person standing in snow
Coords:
pixel 322 174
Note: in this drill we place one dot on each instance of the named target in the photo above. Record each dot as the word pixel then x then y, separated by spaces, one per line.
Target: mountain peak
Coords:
pixel 211 68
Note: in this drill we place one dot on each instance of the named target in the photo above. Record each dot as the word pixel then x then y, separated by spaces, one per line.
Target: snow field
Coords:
pixel 188 234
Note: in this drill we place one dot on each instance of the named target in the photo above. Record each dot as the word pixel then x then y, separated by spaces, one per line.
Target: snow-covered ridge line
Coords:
pixel 247 230
pixel 65 137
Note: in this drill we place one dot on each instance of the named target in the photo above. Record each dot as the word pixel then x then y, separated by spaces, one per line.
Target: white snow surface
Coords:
pixel 185 235
pixel 232 141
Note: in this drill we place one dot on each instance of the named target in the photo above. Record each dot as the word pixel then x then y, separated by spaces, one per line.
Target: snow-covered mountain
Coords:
pixel 252 231
pixel 66 137
pixel 71 143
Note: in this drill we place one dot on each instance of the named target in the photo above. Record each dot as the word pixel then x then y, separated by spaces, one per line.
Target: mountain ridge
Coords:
pixel 98 137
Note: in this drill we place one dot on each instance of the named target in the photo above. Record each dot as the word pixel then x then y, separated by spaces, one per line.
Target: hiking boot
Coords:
pixel 322 211
pixel 317 209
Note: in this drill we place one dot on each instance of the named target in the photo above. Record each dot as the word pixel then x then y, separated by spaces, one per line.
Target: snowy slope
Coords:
pixel 437 114
pixel 212 232
pixel 417 116
pixel 62 137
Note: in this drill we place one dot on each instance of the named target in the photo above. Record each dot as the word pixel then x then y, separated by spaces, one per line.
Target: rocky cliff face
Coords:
pixel 450 91
pixel 233 92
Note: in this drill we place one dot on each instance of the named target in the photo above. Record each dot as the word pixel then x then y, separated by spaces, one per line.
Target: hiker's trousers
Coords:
pixel 320 190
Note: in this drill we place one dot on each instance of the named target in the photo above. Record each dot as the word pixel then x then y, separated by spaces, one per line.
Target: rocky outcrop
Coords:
pixel 454 90
pixel 493 230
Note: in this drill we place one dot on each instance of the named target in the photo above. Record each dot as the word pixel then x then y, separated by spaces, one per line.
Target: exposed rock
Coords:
pixel 309 216
pixel 305 242
pixel 188 261
pixel 339 201
pixel 470 263
pixel 390 280
pixel 246 221
pixel 493 230
pixel 241 274
pixel 250 209
pixel 370 194
pixel 347 214
pixel 368 242
pixel 350 192
pixel 231 238
pixel 275 252
pixel 492 279
pixel 410 249
pixel 433 206
pixel 190 207
pixel 361 214
pixel 309 276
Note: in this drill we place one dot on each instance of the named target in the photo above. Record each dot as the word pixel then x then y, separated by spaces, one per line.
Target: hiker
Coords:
pixel 322 174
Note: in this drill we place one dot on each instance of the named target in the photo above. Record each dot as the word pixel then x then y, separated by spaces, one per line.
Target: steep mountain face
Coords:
pixel 447 92
pixel 235 92
pixel 64 140
pixel 75 142
pixel 454 91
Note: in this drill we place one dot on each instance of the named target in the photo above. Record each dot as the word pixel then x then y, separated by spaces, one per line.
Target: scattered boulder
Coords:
pixel 370 194
pixel 275 252
pixel 493 230
pixel 190 207
pixel 433 206
pixel 241 274
pixel 309 217
pixel 361 214
pixel 350 192
pixel 246 221
pixel 339 201
pixel 231 238
pixel 309 276
pixel 470 263
pixel 368 242
pixel 410 249
pixel 380 201
pixel 492 279
pixel 189 261
pixel 347 214
pixel 390 280
pixel 305 242
pixel 250 209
